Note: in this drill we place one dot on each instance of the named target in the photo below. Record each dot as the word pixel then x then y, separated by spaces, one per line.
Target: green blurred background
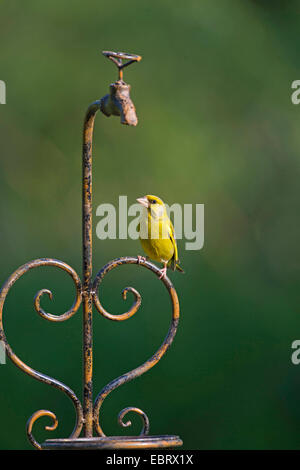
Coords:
pixel 217 127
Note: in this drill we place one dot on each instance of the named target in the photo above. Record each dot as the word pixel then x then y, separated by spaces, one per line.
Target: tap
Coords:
pixel 118 102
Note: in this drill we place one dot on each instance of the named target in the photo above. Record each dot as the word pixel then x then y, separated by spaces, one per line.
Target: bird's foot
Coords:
pixel 140 259
pixel 163 273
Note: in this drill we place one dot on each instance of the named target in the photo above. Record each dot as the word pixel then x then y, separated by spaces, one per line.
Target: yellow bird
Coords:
pixel 157 234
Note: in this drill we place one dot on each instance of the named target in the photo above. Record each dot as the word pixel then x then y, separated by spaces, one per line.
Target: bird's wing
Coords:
pixel 173 239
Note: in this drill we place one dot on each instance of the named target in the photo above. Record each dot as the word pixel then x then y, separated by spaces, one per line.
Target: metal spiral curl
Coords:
pixel 31 421
pixel 159 353
pixel 99 278
pixel 75 306
pixel 146 424
pixel 29 370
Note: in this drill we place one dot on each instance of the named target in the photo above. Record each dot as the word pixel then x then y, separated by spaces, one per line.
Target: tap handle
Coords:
pixel 118 57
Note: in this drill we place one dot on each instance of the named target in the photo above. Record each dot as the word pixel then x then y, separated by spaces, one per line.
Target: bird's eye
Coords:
pixel 153 201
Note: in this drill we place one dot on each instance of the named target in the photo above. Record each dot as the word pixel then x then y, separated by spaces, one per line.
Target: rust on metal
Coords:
pixel 31 421
pixel 87 267
pixel 24 367
pixel 146 424
pixel 118 57
pixel 117 102
pixel 163 348
pixel 115 442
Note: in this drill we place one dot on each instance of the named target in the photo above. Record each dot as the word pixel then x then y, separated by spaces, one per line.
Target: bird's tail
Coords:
pixel 174 264
pixel 179 268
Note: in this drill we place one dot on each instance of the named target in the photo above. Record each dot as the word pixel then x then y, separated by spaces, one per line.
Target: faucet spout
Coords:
pixel 118 103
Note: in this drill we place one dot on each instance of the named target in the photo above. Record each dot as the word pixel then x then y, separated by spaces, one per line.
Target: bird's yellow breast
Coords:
pixel 155 239
pixel 158 250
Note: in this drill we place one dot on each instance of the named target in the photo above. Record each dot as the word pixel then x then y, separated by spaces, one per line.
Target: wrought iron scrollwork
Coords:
pixel 159 353
pixel 146 424
pixel 29 370
pixel 76 304
pixel 31 421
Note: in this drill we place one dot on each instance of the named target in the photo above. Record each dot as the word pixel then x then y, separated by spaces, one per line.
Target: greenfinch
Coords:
pixel 157 234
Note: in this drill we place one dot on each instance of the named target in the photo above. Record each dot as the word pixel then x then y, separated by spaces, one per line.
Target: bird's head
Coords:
pixel 154 205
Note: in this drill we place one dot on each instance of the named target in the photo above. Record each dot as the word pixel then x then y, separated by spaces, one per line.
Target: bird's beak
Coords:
pixel 143 201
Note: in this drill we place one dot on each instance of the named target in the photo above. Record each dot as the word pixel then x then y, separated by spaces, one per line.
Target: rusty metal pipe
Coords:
pixel 117 103
pixel 87 267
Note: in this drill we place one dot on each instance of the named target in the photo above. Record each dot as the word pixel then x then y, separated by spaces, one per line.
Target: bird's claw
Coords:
pixel 163 273
pixel 140 259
